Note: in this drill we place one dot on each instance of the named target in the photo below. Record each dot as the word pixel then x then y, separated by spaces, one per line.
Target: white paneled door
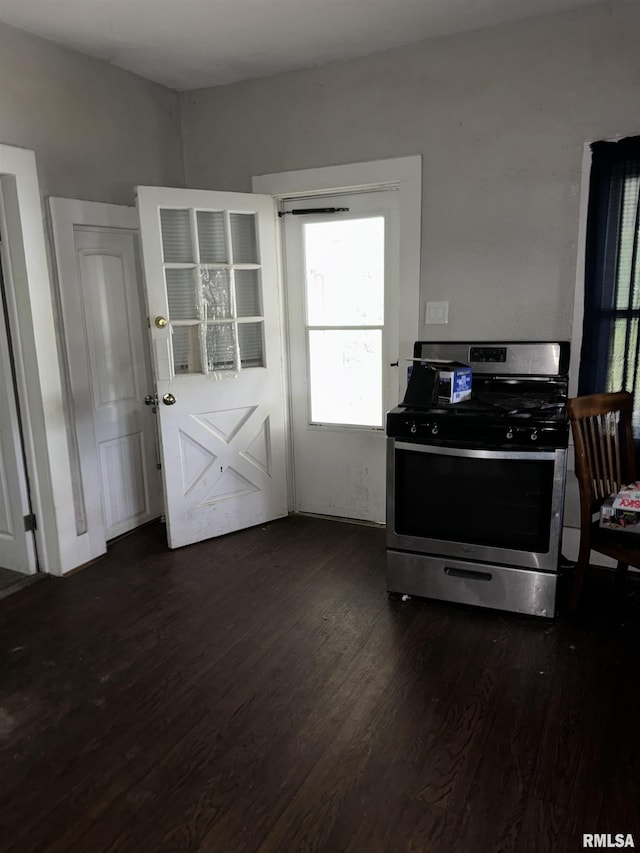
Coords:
pixel 120 378
pixel 213 303
pixel 17 548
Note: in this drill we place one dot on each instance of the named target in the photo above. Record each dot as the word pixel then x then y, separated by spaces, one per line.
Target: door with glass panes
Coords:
pixel 214 315
pixel 342 299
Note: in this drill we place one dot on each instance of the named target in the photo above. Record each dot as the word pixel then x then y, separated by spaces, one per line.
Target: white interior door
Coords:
pixel 120 377
pixel 213 302
pixel 17 547
pixel 342 295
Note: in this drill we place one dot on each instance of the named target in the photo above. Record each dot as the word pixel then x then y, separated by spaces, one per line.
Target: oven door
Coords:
pixel 497 506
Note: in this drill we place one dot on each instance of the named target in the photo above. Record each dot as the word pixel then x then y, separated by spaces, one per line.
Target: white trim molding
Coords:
pixel 37 364
pixel 578 298
pixel 571 535
pixel 403 174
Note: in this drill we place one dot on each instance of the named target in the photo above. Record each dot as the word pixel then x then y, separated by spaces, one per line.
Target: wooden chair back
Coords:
pixel 603 440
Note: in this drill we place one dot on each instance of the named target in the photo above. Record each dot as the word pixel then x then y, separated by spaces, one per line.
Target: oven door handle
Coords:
pixel 472 453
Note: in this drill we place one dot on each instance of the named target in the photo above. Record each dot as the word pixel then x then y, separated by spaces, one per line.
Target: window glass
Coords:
pixel 211 241
pixel 345 369
pixel 244 244
pixel 177 246
pixel 344 270
pixel 213 294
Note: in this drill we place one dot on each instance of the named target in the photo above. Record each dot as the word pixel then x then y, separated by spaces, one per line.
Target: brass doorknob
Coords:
pixel 168 399
pixel 161 322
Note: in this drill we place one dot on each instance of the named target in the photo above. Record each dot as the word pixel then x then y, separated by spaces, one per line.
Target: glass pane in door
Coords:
pixel 345 373
pixel 251 344
pixel 248 293
pixel 181 294
pixel 215 292
pixel 177 246
pixel 186 349
pixel 244 242
pixel 211 239
pixel 344 266
pixel 221 347
pixel 214 288
pixel 344 290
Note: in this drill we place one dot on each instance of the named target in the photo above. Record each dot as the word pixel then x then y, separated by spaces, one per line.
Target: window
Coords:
pixel 610 359
pixel 214 291
pixel 344 290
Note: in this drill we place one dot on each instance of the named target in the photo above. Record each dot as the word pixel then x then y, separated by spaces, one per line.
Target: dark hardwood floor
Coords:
pixel 260 693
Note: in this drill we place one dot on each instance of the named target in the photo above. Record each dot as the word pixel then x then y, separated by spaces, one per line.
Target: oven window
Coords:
pixel 501 503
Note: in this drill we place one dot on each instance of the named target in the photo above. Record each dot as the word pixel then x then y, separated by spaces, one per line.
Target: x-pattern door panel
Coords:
pixel 216 464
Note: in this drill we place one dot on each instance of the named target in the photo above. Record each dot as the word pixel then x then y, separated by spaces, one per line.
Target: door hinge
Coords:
pixel 30 523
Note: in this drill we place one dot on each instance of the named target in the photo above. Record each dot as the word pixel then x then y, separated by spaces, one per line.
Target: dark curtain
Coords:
pixel 610 358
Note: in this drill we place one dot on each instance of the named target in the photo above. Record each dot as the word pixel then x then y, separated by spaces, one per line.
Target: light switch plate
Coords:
pixel 436 313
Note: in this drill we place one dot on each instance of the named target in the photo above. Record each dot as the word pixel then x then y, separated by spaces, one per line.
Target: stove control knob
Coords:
pixel 434 429
pixel 509 433
pixel 534 435
pixel 413 429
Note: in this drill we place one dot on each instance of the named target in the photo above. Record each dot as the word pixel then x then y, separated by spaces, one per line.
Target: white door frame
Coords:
pixel 403 174
pixel 65 214
pixel 33 326
pixel 18 549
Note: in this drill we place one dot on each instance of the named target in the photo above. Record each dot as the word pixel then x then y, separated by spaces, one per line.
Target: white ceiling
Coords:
pixel 189 44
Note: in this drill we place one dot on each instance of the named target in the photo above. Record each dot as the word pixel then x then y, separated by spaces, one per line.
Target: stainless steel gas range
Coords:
pixel 475 489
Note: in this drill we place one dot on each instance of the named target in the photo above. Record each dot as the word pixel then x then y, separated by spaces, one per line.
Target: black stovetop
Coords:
pixel 515 412
pixel 516 431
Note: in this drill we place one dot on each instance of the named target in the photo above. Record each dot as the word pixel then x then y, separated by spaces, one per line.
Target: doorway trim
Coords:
pixel 32 317
pixel 64 215
pixel 401 173
pixel 18 547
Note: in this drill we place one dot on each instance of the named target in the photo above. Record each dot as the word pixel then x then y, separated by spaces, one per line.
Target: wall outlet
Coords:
pixel 436 313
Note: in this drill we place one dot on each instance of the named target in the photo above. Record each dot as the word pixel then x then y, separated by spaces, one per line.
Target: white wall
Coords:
pixel 96 130
pixel 500 117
